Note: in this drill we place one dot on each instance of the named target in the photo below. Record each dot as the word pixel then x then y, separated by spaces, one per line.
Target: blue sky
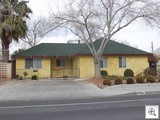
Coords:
pixel 137 34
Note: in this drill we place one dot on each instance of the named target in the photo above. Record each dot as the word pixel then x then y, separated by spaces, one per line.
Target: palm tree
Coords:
pixel 13 14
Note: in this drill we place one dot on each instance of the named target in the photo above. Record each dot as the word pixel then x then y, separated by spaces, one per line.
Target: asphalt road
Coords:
pixel 128 107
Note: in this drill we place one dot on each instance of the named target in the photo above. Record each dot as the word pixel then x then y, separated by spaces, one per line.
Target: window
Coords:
pixel 29 63
pixel 33 63
pixel 103 63
pixel 122 62
pixel 60 62
pixel 37 63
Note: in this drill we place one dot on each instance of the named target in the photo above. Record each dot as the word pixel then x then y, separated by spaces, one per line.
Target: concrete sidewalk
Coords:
pixel 138 89
pixel 68 89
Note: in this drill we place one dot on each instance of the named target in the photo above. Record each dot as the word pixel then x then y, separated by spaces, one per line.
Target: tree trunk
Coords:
pixel 5 47
pixel 5 55
pixel 97 67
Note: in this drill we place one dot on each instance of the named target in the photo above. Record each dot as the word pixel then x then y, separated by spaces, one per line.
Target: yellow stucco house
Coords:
pixel 52 60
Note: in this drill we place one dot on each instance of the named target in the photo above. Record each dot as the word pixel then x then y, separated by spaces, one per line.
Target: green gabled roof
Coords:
pixel 115 48
pixel 52 49
pixel 66 49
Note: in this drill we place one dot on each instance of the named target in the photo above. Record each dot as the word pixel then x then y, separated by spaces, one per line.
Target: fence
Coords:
pixel 5 71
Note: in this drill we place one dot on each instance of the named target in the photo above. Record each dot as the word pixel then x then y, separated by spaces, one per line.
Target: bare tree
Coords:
pixel 91 19
pixel 128 43
pixel 37 29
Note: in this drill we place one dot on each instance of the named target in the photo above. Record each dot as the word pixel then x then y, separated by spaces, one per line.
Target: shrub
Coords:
pixel 130 81
pixel 151 79
pixel 112 77
pixel 17 77
pixel 104 73
pixel 128 73
pixel 118 81
pixel 139 79
pixel 34 77
pixel 107 82
pixel 25 73
pixel 65 76
pixel 140 74
pixel 20 78
pixel 150 71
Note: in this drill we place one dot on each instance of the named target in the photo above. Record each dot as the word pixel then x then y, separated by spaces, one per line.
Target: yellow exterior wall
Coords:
pixel 20 63
pixel 44 72
pixel 86 66
pixel 83 67
pixel 76 70
pixel 136 63
pixel 20 66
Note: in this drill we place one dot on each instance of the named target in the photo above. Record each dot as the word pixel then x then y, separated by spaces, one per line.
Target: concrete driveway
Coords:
pixel 68 89
pixel 48 89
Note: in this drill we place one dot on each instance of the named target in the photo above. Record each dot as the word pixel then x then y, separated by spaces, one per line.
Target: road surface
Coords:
pixel 129 107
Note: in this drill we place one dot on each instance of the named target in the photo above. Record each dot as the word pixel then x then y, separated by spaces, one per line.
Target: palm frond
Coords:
pixel 14 21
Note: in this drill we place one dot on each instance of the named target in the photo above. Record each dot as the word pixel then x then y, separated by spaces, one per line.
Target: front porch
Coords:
pixel 48 68
pixel 64 68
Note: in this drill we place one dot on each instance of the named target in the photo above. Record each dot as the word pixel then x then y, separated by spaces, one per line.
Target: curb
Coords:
pixel 152 92
pixel 138 93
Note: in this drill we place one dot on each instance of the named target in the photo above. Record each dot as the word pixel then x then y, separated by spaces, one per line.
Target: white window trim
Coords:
pixel 33 66
pixel 104 61
pixel 123 65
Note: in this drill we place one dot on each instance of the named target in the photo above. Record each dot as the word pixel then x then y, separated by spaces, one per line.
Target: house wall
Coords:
pixel 136 63
pixel 82 66
pixel 76 71
pixel 86 66
pixel 44 72
pixel 158 65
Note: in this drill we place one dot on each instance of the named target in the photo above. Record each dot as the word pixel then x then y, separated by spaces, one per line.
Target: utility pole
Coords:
pixel 152 47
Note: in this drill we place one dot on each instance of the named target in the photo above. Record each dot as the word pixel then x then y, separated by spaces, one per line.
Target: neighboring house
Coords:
pixel 50 60
pixel 157 53
pixel 158 65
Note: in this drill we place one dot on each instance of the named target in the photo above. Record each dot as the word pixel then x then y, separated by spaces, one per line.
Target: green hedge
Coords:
pixel 104 73
pixel 128 73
